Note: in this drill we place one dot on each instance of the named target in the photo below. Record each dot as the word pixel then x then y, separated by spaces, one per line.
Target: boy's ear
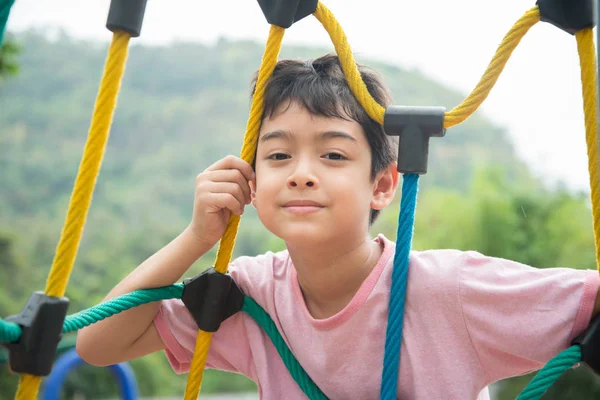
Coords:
pixel 385 185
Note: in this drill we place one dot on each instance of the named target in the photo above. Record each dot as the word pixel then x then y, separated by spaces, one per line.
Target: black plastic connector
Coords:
pixel 414 126
pixel 589 341
pixel 211 298
pixel 126 15
pixel 42 321
pixel 284 13
pixel 569 15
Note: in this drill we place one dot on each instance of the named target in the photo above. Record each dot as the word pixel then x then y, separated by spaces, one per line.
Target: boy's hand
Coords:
pixel 221 189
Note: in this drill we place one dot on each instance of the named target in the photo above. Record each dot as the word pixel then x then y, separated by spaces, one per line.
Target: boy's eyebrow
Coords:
pixel 338 134
pixel 280 134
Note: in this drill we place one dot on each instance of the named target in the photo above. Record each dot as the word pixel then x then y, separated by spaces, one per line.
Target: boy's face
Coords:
pixel 313 178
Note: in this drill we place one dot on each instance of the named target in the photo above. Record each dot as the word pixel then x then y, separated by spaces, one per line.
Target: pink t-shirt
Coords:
pixel 470 320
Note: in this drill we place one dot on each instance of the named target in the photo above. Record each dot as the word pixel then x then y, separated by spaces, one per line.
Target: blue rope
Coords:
pixel 406 222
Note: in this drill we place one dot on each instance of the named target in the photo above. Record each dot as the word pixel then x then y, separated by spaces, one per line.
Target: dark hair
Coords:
pixel 319 85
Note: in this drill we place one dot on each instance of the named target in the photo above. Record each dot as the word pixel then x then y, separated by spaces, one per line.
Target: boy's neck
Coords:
pixel 329 279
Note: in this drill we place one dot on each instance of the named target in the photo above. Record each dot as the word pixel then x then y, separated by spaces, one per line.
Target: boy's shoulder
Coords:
pixel 269 262
pixel 454 266
pixel 262 272
pixel 436 273
pixel 444 261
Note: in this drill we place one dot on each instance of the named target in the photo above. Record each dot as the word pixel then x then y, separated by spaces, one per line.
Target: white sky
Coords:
pixel 537 98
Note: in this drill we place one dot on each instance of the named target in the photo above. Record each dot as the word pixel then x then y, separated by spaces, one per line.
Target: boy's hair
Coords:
pixel 319 85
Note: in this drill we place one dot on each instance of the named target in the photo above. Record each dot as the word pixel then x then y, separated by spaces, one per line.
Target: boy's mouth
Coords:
pixel 302 206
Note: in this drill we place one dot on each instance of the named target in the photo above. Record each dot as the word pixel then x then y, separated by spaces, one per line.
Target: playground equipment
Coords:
pixel 33 335
pixel 52 387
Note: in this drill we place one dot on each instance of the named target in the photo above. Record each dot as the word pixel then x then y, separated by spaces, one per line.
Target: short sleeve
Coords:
pixel 231 346
pixel 519 317
pixel 229 350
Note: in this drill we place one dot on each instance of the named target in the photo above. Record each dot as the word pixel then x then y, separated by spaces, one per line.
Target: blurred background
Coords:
pixel 510 182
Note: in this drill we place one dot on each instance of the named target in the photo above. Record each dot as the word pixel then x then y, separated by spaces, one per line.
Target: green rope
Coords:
pixel 550 373
pixel 5 6
pixel 119 304
pixel 300 376
pixel 10 332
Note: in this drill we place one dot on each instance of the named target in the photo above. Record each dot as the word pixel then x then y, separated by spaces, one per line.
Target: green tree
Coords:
pixel 11 299
pixel 8 63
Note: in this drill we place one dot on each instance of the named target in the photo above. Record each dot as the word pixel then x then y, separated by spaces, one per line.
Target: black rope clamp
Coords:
pixel 589 341
pixel 284 13
pixel 414 126
pixel 569 15
pixel 42 321
pixel 126 15
pixel 211 298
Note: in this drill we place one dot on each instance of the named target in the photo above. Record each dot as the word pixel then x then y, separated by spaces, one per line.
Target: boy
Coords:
pixel 470 320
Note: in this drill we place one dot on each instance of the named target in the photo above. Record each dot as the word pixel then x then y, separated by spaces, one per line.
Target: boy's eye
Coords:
pixel 278 156
pixel 335 156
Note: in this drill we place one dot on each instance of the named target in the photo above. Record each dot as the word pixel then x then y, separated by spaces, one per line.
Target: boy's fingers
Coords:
pixel 231 188
pixel 228 201
pixel 230 175
pixel 233 162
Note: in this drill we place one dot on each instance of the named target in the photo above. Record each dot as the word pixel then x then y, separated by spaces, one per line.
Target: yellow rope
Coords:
pixel 194 381
pixel 225 250
pixel 90 166
pixel 344 52
pixel 461 112
pixel 28 388
pixel 84 186
pixel 587 57
pixel 269 62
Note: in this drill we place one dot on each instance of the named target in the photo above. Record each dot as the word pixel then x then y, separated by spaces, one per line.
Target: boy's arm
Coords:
pixel 131 334
pixel 222 189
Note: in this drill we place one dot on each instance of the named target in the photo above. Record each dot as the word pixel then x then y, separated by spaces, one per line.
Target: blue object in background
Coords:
pixel 70 360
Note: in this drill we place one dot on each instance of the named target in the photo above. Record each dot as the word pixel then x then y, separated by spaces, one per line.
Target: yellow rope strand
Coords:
pixel 587 57
pixel 461 112
pixel 225 250
pixel 344 52
pixel 194 381
pixel 84 186
pixel 269 62
pixel 28 388
pixel 90 166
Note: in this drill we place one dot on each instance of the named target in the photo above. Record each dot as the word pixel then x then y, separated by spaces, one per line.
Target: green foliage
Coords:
pixel 8 64
pixel 181 108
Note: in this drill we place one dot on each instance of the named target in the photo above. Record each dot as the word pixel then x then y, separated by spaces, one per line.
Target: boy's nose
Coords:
pixel 295 183
pixel 302 176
